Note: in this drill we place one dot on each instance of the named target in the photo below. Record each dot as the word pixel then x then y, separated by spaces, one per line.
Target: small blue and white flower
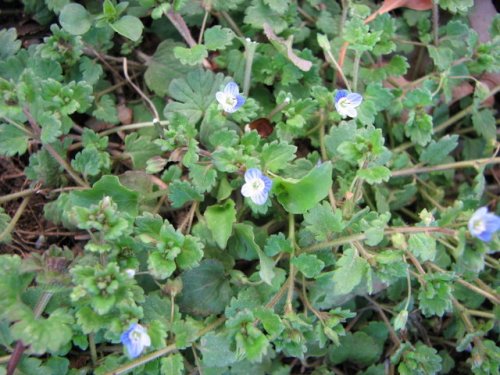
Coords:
pixel 135 339
pixel 230 99
pixel 346 103
pixel 484 224
pixel 257 186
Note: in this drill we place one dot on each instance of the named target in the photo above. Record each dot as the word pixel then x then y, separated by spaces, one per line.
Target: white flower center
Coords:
pixel 479 226
pixel 257 185
pixel 230 101
pixel 135 336
pixel 344 103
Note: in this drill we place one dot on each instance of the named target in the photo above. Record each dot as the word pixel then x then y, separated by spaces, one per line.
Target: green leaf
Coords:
pixel 485 123
pixel 423 246
pixel 417 360
pixel 75 19
pixel 193 94
pixel 435 152
pixel 322 221
pixel 299 196
pixel 359 348
pixel 435 296
pixel 218 38
pixel 350 271
pixel 128 26
pixel 456 6
pixel 277 243
pixel 276 155
pixel 220 219
pixel 359 36
pixel 12 140
pixel 308 264
pixel 204 177
pixel 181 192
pixel 105 109
pixel 266 271
pixel 259 13
pixel 141 149
pixel 419 127
pixel 443 57
pixel 9 44
pixel 205 290
pixel 191 56
pixel 44 334
pixel 91 162
pixel 172 365
pixel 126 199
pixel 163 67
pixel 216 350
pixel 374 175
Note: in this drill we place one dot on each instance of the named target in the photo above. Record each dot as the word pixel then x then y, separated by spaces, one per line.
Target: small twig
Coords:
pixel 203 25
pixel 395 339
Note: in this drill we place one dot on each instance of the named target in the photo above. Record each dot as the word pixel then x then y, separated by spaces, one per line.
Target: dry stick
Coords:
pixel 203 25
pixel 139 91
pixel 15 219
pixel 394 337
pixel 53 152
pixel 19 194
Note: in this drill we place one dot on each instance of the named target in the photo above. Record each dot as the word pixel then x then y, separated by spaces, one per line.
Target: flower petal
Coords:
pixel 351 112
pixel 221 97
pixel 240 100
pixel 232 89
pixel 340 94
pixel 228 108
pixel 259 198
pixel 355 99
pixel 246 190
pixel 268 184
pixel 252 174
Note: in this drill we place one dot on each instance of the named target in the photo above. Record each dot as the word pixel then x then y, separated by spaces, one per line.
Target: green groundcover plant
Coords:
pixel 249 187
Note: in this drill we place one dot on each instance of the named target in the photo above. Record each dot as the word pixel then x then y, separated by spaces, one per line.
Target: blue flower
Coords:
pixel 135 339
pixel 256 186
pixel 346 103
pixel 483 224
pixel 230 99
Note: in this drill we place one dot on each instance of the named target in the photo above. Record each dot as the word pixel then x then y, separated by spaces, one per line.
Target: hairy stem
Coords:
pixel 363 236
pixel 159 353
pixel 476 163
pixel 250 48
